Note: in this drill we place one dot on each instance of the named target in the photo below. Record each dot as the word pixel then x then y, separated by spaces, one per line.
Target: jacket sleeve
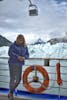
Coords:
pixel 27 53
pixel 11 52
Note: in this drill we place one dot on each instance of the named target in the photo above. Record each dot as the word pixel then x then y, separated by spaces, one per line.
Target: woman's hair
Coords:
pixel 22 37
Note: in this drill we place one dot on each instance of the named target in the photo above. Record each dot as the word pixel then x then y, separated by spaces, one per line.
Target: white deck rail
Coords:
pixel 48 63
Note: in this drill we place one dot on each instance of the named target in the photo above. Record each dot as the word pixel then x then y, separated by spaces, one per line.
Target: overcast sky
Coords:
pixel 51 20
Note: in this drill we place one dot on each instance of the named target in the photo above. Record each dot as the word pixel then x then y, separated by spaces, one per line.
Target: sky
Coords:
pixel 51 21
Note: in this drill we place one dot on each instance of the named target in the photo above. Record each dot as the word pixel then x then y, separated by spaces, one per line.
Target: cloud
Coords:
pixel 51 19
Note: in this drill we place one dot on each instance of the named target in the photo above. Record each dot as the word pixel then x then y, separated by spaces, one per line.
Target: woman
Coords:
pixel 18 52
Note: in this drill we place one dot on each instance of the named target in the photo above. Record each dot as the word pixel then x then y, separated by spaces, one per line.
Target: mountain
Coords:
pixel 4 41
pixel 1 0
pixel 58 40
pixel 39 41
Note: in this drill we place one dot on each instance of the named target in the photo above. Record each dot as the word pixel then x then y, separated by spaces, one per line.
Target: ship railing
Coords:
pixel 48 63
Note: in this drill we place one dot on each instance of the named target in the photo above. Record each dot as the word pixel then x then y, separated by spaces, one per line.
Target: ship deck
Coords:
pixel 29 96
pixel 4 97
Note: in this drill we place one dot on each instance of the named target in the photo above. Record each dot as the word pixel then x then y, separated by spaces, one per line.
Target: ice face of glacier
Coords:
pixel 58 50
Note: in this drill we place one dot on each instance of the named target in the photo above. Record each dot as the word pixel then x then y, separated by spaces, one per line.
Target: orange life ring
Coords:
pixel 59 80
pixel 44 84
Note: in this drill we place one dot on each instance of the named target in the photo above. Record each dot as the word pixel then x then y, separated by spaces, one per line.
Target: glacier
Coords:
pixel 46 50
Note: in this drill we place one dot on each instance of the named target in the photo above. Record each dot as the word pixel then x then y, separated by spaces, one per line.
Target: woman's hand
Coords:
pixel 20 58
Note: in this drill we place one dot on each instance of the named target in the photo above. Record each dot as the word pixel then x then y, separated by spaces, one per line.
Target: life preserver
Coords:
pixel 59 80
pixel 44 84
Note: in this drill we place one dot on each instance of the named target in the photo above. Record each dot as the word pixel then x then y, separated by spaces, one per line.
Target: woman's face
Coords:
pixel 20 40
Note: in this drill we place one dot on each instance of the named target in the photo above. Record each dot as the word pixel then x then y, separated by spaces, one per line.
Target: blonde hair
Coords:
pixel 21 36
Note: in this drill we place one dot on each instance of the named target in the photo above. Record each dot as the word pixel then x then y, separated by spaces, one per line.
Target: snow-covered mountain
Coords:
pixel 58 40
pixel 4 41
pixel 38 41
pixel 51 41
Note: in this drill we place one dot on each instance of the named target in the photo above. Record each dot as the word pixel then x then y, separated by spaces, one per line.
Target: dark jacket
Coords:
pixel 16 50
